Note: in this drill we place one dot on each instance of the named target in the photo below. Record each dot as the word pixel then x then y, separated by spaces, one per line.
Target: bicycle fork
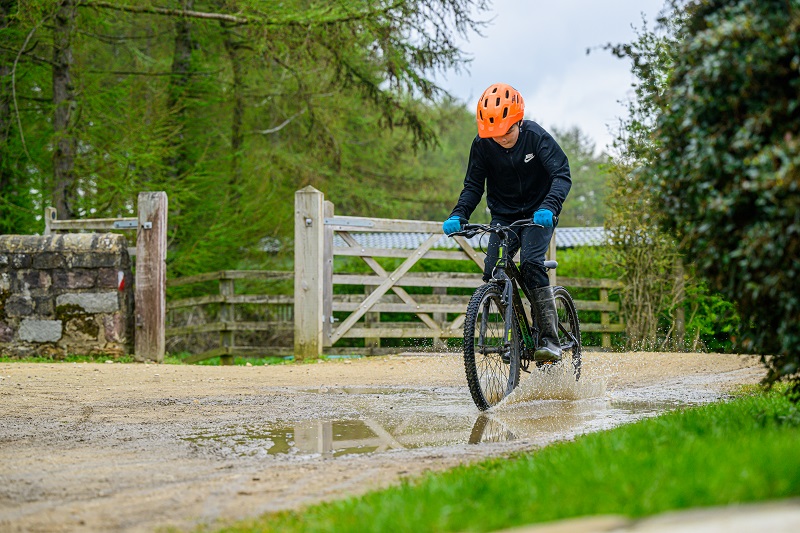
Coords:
pixel 514 305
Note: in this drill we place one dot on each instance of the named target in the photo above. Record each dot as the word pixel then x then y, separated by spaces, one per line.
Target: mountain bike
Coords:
pixel 499 340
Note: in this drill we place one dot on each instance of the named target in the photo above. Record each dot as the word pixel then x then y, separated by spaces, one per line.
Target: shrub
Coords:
pixel 728 174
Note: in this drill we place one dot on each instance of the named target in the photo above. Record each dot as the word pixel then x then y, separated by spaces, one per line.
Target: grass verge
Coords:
pixel 739 451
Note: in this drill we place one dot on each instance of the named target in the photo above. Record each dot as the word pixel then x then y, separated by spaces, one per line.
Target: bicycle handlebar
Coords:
pixel 470 230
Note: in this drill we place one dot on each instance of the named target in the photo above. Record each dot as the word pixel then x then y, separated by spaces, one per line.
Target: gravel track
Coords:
pixel 136 447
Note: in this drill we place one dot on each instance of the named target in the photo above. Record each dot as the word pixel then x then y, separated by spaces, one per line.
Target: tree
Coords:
pixel 645 255
pixel 728 173
pixel 586 203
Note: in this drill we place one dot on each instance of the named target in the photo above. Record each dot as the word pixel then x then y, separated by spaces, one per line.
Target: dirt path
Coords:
pixel 107 447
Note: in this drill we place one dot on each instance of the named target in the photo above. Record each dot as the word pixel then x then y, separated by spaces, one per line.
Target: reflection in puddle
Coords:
pixel 535 422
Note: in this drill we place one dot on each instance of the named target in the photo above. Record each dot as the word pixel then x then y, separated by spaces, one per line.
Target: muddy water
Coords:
pixel 549 405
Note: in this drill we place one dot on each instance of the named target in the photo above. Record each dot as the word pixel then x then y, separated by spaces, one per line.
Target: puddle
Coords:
pixel 545 408
pixel 303 439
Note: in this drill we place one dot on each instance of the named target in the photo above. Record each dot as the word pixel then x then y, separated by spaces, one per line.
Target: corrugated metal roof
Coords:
pixel 565 238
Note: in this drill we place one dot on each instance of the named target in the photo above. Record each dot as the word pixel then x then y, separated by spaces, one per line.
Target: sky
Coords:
pixel 539 47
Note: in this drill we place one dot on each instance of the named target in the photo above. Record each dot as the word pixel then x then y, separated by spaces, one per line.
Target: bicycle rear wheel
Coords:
pixel 491 362
pixel 569 329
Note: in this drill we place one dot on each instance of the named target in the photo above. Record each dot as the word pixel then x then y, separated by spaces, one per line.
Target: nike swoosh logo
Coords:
pixel 529 157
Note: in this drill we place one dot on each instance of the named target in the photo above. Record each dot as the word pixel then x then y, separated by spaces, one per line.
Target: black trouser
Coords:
pixel 535 241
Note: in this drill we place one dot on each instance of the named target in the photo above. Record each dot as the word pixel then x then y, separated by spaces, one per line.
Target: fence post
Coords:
pixel 439 318
pixel 551 255
pixel 227 315
pixel 327 278
pixel 309 229
pixel 680 313
pixel 605 319
pixel 371 320
pixel 50 214
pixel 151 277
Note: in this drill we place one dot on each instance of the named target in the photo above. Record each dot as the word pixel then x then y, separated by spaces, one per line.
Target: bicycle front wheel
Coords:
pixel 569 329
pixel 491 361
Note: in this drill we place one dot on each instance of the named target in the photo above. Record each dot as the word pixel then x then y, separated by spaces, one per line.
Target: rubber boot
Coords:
pixel 549 349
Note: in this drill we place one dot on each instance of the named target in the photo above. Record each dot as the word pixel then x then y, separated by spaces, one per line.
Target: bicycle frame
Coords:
pixel 495 353
pixel 507 273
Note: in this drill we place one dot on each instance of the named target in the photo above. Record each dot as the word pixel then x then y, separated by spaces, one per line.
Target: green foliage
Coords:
pixel 586 203
pixel 635 470
pixel 644 255
pixel 645 252
pixel 711 321
pixel 231 119
pixel 729 168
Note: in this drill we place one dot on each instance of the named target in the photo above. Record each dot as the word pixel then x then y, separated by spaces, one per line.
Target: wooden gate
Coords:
pixel 315 327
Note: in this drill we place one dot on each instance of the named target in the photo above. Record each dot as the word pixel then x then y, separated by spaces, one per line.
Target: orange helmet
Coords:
pixel 499 108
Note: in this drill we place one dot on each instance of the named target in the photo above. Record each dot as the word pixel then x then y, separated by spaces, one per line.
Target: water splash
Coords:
pixel 554 382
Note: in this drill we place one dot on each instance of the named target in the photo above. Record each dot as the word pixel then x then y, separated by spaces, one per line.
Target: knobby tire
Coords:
pixel 569 329
pixel 489 376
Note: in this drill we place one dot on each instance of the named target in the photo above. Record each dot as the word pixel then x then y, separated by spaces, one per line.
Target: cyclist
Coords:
pixel 526 176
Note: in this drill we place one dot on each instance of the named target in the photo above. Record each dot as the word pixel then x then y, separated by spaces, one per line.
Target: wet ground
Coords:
pixel 136 447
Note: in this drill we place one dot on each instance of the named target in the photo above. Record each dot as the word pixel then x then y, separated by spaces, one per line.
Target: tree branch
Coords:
pixel 139 73
pixel 282 125
pixel 168 12
pixel 307 19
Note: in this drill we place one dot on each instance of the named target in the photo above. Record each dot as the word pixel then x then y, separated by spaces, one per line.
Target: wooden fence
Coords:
pixel 325 311
pixel 277 319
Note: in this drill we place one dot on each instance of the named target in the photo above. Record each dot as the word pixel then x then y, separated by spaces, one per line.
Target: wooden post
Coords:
pixel 605 319
pixel 440 319
pixel 309 229
pixel 551 255
pixel 371 320
pixel 680 313
pixel 151 277
pixel 327 278
pixel 50 214
pixel 228 316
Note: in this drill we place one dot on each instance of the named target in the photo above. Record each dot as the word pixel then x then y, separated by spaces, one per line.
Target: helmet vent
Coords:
pixel 498 102
pixel 505 112
pixel 506 93
pixel 486 103
pixel 480 114
pixel 491 120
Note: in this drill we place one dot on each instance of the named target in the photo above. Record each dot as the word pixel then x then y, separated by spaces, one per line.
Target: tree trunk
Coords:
pixel 233 46
pixel 179 84
pixel 6 64
pixel 64 106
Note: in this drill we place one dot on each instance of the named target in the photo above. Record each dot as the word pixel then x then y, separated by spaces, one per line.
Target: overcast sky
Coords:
pixel 539 47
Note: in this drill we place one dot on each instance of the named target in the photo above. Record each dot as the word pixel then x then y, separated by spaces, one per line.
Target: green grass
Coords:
pixel 740 451
pixel 243 361
pixel 169 359
pixel 72 358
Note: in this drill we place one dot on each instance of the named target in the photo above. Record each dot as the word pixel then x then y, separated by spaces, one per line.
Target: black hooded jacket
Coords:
pixel 533 174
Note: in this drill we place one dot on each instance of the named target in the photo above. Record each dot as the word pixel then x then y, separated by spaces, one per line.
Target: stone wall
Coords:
pixel 65 294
